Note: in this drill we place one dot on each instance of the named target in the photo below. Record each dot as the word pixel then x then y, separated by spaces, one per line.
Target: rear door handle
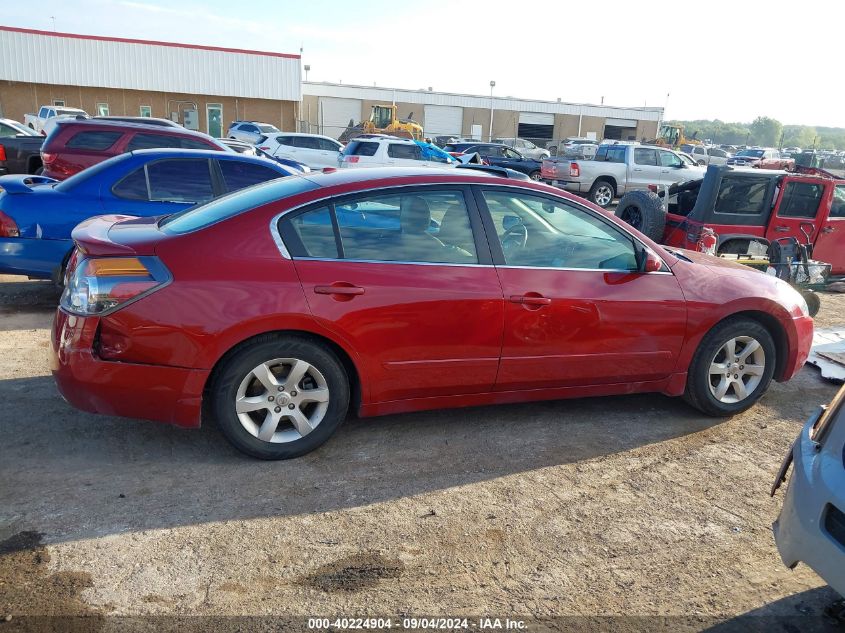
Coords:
pixel 781 228
pixel 828 229
pixel 531 300
pixel 348 290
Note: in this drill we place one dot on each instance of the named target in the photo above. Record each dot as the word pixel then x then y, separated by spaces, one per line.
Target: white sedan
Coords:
pixel 314 150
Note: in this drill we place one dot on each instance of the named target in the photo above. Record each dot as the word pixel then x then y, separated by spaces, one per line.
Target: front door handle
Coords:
pixel 781 228
pixel 637 169
pixel 828 229
pixel 339 290
pixel 530 300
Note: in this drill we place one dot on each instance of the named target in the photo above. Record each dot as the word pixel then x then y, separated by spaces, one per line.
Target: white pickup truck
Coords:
pixel 617 169
pixel 47 116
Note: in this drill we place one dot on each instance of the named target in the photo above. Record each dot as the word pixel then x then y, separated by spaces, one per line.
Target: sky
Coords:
pixel 700 60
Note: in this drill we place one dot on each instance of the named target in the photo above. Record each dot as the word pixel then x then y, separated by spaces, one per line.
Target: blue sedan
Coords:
pixel 37 214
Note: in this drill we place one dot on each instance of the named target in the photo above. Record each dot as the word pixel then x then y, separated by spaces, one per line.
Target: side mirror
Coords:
pixel 648 261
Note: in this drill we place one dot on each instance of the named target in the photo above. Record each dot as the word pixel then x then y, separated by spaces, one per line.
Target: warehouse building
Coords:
pixel 207 87
pixel 328 108
pixel 201 87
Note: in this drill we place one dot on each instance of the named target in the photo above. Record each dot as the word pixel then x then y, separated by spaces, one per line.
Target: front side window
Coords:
pixel 239 175
pixel 96 141
pixel 408 151
pixel 306 142
pixel 837 209
pixel 645 156
pixel 152 141
pixel 419 227
pixel 509 153
pixel 800 200
pixel 328 146
pixel 538 232
pixel 180 180
pixel 742 195
pixel 668 159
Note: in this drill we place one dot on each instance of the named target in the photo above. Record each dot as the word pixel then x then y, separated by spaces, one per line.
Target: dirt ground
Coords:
pixel 631 506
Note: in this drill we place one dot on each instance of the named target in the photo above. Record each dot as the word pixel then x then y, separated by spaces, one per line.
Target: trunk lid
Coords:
pixel 106 235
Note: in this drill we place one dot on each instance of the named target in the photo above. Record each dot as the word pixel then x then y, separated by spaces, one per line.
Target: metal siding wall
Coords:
pixel 60 60
pixel 386 95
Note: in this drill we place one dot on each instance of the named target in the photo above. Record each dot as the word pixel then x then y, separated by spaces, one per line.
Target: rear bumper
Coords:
pixel 152 392
pixel 799 530
pixel 568 185
pixel 800 342
pixel 34 257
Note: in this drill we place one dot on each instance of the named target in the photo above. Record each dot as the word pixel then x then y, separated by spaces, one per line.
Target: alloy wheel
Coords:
pixel 282 400
pixel 737 369
pixel 604 195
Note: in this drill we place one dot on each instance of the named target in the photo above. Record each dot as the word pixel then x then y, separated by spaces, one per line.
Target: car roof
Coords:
pixel 130 126
pixel 332 177
pixel 173 152
pixel 388 139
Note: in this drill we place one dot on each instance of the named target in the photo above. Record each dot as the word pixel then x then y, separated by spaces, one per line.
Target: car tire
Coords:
pixel 602 193
pixel 274 399
pixel 535 175
pixel 713 380
pixel 643 210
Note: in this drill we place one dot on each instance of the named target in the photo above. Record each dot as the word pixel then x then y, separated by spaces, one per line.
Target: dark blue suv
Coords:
pixel 498 155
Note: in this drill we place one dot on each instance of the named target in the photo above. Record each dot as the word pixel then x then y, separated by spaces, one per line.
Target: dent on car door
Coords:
pixel 403 277
pixel 577 312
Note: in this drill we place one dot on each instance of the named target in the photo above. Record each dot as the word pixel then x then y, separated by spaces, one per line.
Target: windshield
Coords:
pixel 20 129
pixel 60 112
pixel 753 153
pixel 235 203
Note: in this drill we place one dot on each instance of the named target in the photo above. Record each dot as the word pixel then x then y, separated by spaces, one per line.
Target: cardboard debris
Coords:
pixel 828 352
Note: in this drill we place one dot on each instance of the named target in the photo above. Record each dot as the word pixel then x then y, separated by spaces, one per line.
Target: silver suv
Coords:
pixel 526 148
pixel 251 131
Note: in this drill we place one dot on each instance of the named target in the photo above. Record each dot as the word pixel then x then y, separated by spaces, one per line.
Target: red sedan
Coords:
pixel 279 309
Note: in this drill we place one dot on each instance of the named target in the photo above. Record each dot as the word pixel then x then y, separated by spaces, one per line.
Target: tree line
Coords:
pixel 766 132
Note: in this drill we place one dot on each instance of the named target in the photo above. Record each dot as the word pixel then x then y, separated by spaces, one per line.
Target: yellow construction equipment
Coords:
pixel 673 136
pixel 384 119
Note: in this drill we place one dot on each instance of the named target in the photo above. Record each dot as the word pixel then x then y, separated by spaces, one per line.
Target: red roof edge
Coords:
pixel 100 38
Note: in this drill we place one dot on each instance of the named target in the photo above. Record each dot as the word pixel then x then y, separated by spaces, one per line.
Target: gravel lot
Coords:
pixel 627 506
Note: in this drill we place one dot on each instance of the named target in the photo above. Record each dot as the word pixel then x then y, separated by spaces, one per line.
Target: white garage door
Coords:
pixel 537 118
pixel 443 120
pixel 335 114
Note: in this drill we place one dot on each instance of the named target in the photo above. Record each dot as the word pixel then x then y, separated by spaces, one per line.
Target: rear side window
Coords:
pixel 327 145
pixel 742 196
pixel 158 141
pixel 180 180
pixel 133 186
pixel 837 209
pixel 611 154
pixel 361 148
pixel 401 150
pixel 800 200
pixel 285 140
pixel 305 142
pixel 643 156
pixel 316 233
pixel 93 140
pixel 239 175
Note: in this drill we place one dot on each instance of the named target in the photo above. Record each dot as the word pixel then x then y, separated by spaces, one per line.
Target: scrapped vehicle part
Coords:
pixel 644 211
pixel 828 352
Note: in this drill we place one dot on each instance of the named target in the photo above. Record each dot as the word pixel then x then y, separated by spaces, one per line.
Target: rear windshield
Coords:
pixel 361 148
pixel 753 153
pixel 270 129
pixel 234 204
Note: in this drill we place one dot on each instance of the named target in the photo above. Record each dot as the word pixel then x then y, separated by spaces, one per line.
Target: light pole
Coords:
pixel 490 135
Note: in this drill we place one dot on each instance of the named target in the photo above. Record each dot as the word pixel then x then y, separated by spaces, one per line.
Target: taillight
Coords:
pixel 2 153
pixel 351 159
pixel 265 148
pixel 102 284
pixel 8 227
pixel 48 158
pixel 574 170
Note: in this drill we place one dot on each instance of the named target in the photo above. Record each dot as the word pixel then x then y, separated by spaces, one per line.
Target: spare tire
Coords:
pixel 644 211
